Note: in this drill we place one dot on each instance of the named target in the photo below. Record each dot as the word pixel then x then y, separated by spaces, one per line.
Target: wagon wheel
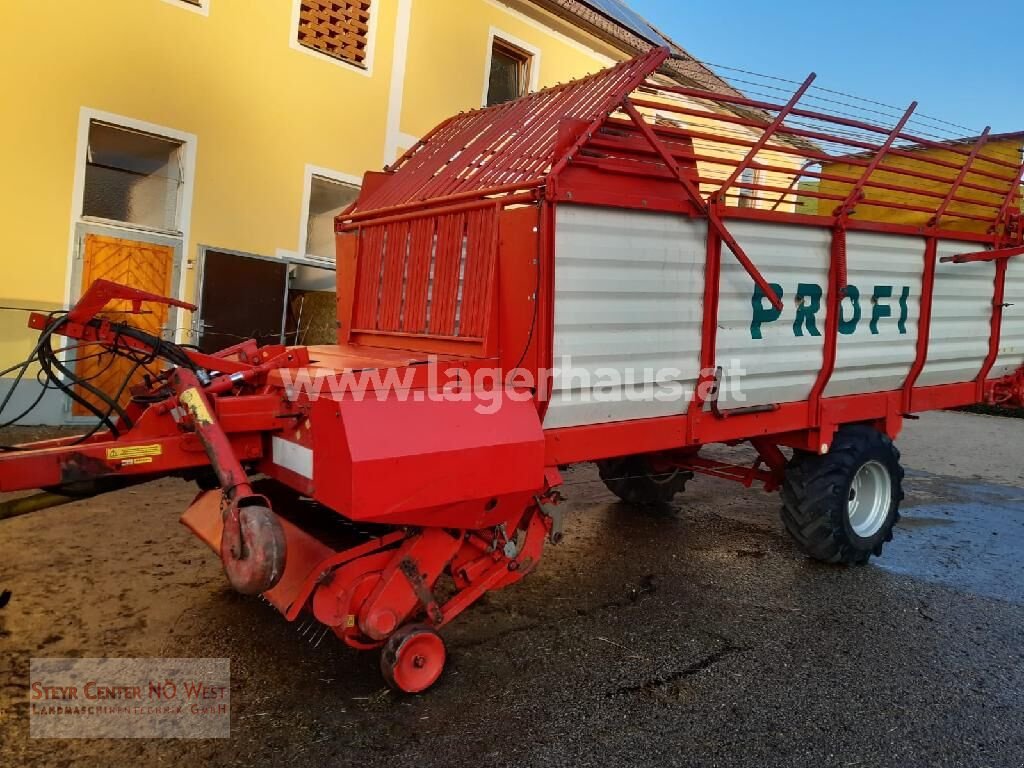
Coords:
pixel 636 480
pixel 842 507
pixel 413 658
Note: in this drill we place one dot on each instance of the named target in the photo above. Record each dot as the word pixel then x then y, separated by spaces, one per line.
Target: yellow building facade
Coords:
pixel 226 118
pixel 941 164
pixel 200 148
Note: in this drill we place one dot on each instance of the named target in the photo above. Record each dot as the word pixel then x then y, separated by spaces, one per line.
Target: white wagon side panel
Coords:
pixel 780 363
pixel 1011 340
pixel 961 325
pixel 876 354
pixel 629 289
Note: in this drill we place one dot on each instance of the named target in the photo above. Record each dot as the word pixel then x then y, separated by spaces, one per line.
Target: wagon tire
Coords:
pixel 635 480
pixel 207 480
pixel 842 507
pixel 85 489
pixel 413 659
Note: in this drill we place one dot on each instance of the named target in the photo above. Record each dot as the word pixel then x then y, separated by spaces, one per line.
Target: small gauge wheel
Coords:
pixel 413 659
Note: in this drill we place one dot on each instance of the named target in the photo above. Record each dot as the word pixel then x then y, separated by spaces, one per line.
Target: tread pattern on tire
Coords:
pixel 815 496
pixel 634 481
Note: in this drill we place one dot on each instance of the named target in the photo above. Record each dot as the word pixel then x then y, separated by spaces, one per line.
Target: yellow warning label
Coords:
pixel 134 452
pixel 193 401
pixel 350 621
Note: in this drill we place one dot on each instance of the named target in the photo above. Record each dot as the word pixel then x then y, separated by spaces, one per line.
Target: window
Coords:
pixel 132 177
pixel 510 73
pixel 747 197
pixel 337 28
pixel 327 198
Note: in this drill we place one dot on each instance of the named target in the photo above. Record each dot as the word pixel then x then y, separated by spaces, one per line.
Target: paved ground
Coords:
pixel 702 639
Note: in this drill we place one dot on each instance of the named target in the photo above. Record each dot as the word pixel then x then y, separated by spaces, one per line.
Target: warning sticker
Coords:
pixel 193 401
pixel 134 452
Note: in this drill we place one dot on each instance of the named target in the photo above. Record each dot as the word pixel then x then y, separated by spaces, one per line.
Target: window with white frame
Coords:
pixel 133 177
pixel 327 198
pixel 511 69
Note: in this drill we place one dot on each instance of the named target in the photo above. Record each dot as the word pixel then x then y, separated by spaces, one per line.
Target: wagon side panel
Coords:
pixel 961 325
pixel 770 357
pixel 880 315
pixel 627 314
pixel 1011 340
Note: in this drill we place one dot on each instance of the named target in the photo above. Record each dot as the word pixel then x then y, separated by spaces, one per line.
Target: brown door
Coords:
pixel 146 266
pixel 242 298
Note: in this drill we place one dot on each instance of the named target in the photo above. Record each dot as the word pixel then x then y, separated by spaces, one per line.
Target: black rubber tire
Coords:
pixel 634 480
pixel 84 489
pixel 816 492
pixel 206 479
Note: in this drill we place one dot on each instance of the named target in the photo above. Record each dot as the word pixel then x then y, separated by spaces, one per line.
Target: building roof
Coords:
pixel 991 137
pixel 624 28
pixel 628 18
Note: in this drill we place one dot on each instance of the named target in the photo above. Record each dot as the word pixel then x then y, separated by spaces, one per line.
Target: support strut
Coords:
pixel 253 544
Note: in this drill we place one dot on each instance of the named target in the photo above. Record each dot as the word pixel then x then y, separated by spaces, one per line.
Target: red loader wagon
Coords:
pixel 576 276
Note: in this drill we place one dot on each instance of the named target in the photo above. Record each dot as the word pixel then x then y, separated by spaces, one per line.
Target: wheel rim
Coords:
pixel 419 662
pixel 869 499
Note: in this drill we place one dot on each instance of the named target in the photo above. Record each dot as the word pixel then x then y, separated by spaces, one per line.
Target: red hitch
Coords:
pixel 252 547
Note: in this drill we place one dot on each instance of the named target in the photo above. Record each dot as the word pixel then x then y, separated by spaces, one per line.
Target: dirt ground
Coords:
pixel 702 638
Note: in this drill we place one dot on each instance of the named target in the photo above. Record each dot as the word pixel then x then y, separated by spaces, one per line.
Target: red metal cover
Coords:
pixel 378 460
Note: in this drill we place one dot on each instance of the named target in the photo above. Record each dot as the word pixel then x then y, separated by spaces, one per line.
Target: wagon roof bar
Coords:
pixel 508 147
pixel 508 153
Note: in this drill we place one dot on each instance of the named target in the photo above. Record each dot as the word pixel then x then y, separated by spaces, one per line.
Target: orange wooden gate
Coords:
pixel 147 266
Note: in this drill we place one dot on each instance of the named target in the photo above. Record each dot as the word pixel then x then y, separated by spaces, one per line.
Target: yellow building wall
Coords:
pixel 714 174
pixel 453 39
pixel 1006 150
pixel 450 38
pixel 261 111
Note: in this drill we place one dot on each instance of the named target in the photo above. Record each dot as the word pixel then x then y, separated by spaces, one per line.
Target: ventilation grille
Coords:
pixel 338 28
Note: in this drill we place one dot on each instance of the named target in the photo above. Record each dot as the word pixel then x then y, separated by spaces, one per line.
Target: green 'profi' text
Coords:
pixel 887 306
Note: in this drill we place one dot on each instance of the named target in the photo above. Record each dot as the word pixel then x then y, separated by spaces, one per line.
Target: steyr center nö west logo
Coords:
pixel 882 305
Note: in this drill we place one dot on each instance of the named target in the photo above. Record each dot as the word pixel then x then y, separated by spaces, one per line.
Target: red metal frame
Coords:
pixel 925 321
pixel 997 255
pixel 452 253
pixel 713 215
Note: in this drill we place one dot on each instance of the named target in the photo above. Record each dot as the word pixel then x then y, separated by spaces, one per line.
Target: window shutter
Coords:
pixel 338 28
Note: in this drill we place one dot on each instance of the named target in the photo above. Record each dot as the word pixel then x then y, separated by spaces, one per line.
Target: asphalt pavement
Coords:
pixel 698 638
